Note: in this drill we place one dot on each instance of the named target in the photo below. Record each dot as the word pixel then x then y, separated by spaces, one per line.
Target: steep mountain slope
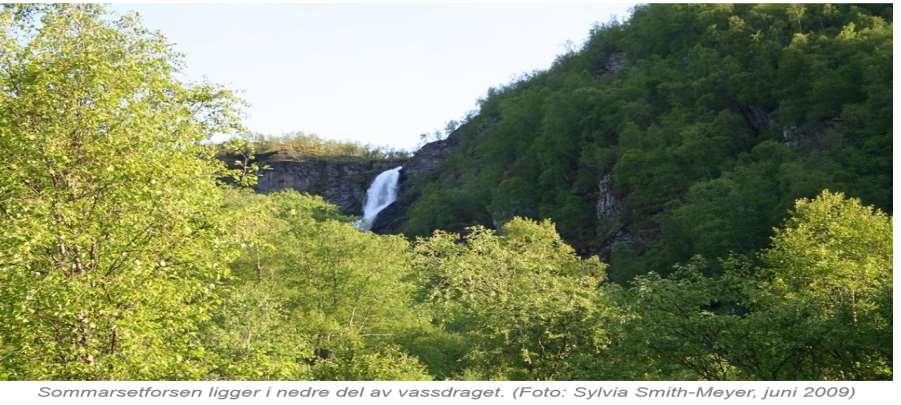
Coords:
pixel 687 130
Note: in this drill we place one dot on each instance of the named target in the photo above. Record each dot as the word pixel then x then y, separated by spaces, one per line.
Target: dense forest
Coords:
pixel 745 151
pixel 702 124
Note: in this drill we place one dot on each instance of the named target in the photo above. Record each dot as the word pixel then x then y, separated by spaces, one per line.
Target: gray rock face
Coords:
pixel 609 64
pixel 608 207
pixel 428 158
pixel 391 218
pixel 808 136
pixel 610 214
pixel 615 62
pixel 343 183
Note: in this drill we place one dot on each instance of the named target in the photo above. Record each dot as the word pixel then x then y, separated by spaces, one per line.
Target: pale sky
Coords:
pixel 377 74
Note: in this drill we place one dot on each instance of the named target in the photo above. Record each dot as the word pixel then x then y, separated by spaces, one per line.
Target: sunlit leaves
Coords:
pixel 526 302
pixel 112 229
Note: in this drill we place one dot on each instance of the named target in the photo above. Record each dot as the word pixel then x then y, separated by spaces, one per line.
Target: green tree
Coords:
pixel 251 333
pixel 113 245
pixel 831 265
pixel 527 304
pixel 314 297
pixel 245 169
pixel 815 305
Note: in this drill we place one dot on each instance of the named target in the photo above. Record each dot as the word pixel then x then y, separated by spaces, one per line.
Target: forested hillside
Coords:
pixel 741 155
pixel 687 130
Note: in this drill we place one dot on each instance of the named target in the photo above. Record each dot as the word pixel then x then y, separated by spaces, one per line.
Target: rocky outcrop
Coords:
pixel 341 182
pixel 391 219
pixel 810 136
pixel 757 118
pixel 615 62
pixel 608 209
pixel 609 64
pixel 428 158
pixel 420 169
pixel 610 216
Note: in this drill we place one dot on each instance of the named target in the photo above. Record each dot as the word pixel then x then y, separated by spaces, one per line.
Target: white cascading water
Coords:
pixel 382 192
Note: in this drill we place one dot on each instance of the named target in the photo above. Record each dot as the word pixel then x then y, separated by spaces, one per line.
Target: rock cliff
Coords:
pixel 342 182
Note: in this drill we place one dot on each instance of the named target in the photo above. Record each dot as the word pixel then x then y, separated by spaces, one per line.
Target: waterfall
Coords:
pixel 382 192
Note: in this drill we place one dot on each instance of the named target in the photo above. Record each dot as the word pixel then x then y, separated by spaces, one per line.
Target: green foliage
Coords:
pixel 245 168
pixel 387 364
pixel 817 305
pixel 832 265
pixel 711 120
pixel 528 306
pixel 253 337
pixel 317 297
pixel 112 244
pixel 299 146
